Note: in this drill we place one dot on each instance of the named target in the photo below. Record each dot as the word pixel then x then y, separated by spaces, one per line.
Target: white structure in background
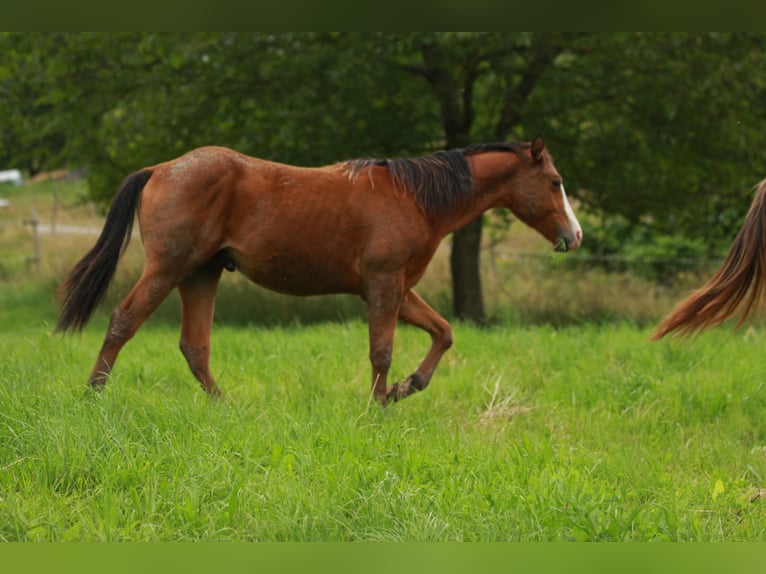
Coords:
pixel 11 176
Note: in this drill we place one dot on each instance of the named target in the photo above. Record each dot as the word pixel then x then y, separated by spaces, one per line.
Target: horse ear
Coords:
pixel 538 145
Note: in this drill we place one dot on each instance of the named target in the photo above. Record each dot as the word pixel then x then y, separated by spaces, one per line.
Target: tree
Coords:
pixel 146 97
pixel 661 129
pixel 496 73
pixel 121 101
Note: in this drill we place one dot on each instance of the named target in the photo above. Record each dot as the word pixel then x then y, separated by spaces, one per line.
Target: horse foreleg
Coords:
pixel 383 300
pixel 418 313
pixel 198 303
pixel 127 317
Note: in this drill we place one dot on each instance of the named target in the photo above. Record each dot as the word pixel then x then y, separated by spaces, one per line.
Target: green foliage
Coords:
pixel 137 99
pixel 660 129
pixel 659 124
pixel 663 129
pixel 618 245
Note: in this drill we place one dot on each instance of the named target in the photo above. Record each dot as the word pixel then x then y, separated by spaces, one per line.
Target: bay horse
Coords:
pixel 738 283
pixel 367 227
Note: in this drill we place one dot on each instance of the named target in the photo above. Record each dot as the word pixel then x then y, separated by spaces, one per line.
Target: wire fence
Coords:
pixel 37 228
pixel 609 258
pixel 31 253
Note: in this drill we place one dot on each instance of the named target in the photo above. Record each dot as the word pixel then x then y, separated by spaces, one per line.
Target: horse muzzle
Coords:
pixel 566 243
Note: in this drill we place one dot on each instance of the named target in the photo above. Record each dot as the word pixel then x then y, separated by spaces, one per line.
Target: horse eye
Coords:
pixel 556 183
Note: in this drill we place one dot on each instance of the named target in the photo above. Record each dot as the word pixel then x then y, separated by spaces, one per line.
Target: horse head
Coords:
pixel 535 194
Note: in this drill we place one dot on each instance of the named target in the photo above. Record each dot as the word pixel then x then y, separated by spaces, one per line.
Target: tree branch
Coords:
pixel 516 95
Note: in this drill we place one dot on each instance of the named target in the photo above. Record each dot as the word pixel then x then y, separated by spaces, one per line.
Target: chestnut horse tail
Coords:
pixel 88 281
pixel 740 278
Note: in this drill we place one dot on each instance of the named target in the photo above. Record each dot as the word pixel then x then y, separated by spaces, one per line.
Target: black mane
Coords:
pixel 439 182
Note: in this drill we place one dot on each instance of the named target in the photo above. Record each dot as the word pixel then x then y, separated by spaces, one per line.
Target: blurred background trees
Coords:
pixel 660 136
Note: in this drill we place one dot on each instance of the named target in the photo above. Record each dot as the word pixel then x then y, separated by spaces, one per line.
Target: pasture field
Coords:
pixel 527 433
pixel 559 421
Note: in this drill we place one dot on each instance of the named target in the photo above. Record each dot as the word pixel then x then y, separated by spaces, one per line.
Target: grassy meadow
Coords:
pixel 559 421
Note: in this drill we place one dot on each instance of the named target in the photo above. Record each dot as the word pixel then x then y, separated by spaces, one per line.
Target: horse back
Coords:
pixel 293 229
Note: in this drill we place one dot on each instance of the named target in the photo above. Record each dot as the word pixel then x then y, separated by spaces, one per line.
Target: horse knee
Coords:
pixel 381 359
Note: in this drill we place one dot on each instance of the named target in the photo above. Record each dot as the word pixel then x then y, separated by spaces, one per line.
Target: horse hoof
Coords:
pixel 399 391
pixel 394 393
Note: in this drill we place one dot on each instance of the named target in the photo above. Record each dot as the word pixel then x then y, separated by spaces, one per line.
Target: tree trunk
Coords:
pixel 467 294
pixel 455 96
pixel 467 298
pixel 453 87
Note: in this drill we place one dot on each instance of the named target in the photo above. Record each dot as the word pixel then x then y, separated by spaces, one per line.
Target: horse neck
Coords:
pixel 491 176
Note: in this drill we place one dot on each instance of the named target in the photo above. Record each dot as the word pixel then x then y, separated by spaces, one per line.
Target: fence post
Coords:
pixel 34 222
pixel 55 209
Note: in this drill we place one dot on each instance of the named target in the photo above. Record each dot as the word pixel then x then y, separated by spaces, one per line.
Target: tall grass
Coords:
pixel 559 421
pixel 527 433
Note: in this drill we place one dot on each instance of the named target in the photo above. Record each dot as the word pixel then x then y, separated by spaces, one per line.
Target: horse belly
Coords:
pixel 300 273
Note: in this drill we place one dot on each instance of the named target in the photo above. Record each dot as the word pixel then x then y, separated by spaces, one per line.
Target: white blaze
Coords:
pixel 574 225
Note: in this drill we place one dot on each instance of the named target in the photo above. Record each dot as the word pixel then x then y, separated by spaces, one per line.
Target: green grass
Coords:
pixel 527 433
pixel 561 421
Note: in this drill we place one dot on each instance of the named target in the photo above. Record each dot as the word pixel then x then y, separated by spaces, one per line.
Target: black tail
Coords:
pixel 88 281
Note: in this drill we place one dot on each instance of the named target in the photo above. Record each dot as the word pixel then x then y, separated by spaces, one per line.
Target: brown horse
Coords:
pixel 739 279
pixel 367 227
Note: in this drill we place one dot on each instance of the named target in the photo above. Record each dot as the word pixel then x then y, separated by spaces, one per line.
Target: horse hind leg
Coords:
pixel 198 304
pixel 150 290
